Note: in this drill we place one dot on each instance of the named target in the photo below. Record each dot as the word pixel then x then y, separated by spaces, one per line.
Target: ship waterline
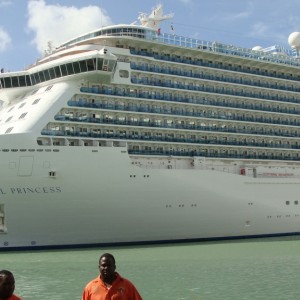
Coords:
pixel 125 135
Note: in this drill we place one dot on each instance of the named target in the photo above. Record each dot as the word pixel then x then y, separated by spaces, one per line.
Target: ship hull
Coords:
pixel 104 200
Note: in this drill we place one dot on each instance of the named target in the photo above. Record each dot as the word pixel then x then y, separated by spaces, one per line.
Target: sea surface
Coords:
pixel 258 269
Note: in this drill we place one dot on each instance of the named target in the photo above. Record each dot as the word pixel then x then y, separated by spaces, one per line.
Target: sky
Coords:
pixel 28 27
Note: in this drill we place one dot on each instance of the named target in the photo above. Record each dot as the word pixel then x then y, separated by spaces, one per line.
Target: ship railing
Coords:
pixel 285 56
pixel 194 152
pixel 212 155
pixel 186 99
pixel 198 115
pixel 168 138
pixel 212 89
pixel 174 86
pixel 181 41
pixel 181 72
pixel 252 119
pixel 211 65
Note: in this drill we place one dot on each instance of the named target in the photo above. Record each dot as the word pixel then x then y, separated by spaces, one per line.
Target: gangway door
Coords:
pixel 25 166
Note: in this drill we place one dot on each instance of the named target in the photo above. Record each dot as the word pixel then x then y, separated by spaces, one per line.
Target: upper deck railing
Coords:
pixel 274 54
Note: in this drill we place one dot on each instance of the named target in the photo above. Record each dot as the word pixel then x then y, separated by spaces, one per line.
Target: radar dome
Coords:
pixel 257 48
pixel 294 40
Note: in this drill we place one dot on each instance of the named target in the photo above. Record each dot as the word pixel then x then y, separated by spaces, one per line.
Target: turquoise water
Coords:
pixel 257 269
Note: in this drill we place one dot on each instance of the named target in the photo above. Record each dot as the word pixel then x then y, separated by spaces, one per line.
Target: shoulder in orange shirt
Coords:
pixel 121 289
pixel 14 297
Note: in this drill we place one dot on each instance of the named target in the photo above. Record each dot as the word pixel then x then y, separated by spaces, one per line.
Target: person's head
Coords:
pixel 107 267
pixel 7 284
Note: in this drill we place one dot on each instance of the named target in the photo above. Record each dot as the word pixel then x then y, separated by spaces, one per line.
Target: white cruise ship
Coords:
pixel 127 135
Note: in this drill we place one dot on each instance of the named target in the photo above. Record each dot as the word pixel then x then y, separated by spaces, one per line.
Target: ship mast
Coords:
pixel 154 19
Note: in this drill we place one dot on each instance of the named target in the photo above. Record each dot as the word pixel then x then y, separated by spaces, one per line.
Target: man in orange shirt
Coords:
pixel 7 286
pixel 109 285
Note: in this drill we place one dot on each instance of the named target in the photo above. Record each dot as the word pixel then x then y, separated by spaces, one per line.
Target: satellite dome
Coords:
pixel 294 40
pixel 257 48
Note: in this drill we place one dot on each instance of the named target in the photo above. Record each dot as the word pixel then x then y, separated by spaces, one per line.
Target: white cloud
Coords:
pixel 5 40
pixel 57 24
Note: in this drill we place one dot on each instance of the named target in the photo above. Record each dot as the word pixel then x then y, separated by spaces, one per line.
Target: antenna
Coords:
pixel 50 48
pixel 101 19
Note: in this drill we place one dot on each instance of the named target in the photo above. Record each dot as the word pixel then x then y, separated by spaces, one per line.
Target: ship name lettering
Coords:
pixel 34 190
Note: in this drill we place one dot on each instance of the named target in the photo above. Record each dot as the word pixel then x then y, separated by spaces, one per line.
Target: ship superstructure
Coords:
pixel 130 135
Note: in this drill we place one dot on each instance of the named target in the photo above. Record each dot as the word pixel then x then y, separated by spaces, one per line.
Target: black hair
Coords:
pixel 108 255
pixel 6 272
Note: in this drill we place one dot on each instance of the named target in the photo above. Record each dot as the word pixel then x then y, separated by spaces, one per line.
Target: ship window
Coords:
pixel 97 33
pixel 52 73
pixel 83 66
pixel 7 82
pixel 36 101
pixel 41 76
pixel 122 133
pixel 23 115
pixel 11 109
pixel 36 78
pixel 111 64
pixel 46 75
pixel 57 72
pixel 15 81
pixel 91 64
pixel 76 67
pixel 22 81
pixel 48 88
pixel 8 130
pixel 22 105
pixel 124 73
pixel 8 119
pixel 99 64
pixel 70 69
pixel 296 202
pixel 28 81
pixel 287 202
pixel 64 71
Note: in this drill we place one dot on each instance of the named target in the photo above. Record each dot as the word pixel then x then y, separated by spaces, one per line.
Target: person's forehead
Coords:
pixel 106 259
pixel 5 277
